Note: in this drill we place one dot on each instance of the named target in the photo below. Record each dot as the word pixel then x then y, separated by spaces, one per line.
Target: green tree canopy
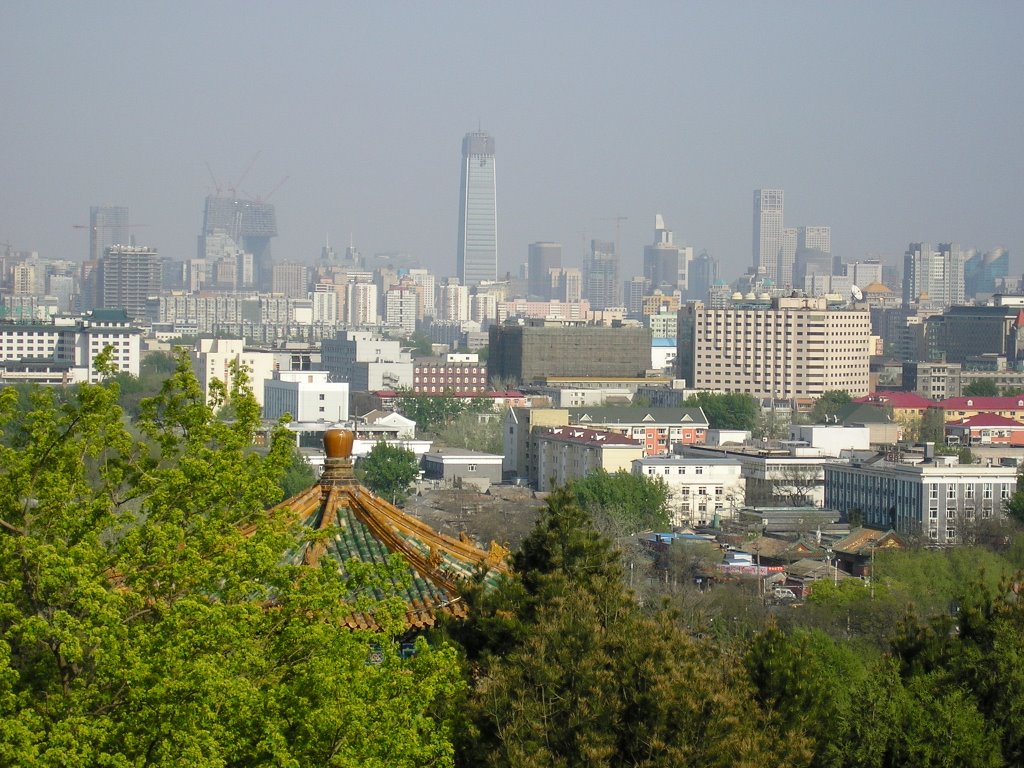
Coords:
pixel 829 404
pixel 733 410
pixel 631 502
pixel 981 388
pixel 388 471
pixel 139 626
pixel 571 671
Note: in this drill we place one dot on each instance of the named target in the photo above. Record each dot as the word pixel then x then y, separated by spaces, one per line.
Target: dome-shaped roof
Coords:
pixel 876 288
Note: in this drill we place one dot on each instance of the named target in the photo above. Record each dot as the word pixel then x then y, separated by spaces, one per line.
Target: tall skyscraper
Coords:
pixel 768 204
pixel 601 283
pixel 477 257
pixel 981 272
pixel 933 278
pixel 666 265
pixel 108 225
pixel 543 257
pixel 703 274
pixel 250 224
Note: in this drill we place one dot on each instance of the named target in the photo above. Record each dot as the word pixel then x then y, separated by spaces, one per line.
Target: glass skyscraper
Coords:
pixel 108 225
pixel 477 258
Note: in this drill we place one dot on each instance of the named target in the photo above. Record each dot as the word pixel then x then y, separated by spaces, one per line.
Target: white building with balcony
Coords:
pixel 699 488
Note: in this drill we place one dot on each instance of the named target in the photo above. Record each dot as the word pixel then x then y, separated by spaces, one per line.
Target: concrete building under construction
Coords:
pixel 250 224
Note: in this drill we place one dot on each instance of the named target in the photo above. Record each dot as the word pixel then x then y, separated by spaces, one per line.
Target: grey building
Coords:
pixel 601 284
pixel 934 499
pixel 768 210
pixel 542 258
pixel 128 276
pixel 459 467
pixel 541 348
pixel 250 224
pixel 933 277
pixel 477 257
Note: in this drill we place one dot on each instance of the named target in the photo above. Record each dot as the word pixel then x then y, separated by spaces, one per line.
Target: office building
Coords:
pixel 768 207
pixel 217 359
pixel 783 277
pixel 602 286
pixel 307 396
pixel 367 361
pixel 666 265
pixel 541 348
pixel 982 272
pixel 543 257
pixel 128 275
pixel 290 279
pixel 451 373
pixel 250 224
pixel 566 284
pixel 108 225
pixel 936 499
pixel 477 257
pixel 813 254
pixel 787 348
pixel 933 278
pixel 703 274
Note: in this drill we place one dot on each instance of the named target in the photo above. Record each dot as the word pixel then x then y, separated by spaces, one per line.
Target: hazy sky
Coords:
pixel 891 122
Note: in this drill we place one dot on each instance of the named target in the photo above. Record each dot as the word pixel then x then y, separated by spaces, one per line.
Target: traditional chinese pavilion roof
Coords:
pixel 368 529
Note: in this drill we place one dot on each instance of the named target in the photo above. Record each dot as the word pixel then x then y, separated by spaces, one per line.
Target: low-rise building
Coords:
pixel 657 429
pixel 985 429
pixel 936 499
pixel 451 373
pixel 699 488
pixel 832 439
pixel 571 453
pixel 306 395
pixel 213 359
pixel 462 468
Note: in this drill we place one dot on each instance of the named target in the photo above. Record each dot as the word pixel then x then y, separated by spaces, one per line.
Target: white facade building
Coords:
pixel 361 302
pixel 306 395
pixel 699 488
pixel 832 440
pixel 367 361
pixel 213 359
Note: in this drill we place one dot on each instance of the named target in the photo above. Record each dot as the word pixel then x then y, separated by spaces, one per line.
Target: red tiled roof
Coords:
pixel 897 400
pixel 982 403
pixel 985 420
pixel 589 436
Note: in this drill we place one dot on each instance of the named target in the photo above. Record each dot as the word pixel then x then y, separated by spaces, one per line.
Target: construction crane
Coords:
pixel 618 230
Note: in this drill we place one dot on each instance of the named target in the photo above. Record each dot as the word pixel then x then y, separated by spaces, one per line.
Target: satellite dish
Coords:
pixel 857 293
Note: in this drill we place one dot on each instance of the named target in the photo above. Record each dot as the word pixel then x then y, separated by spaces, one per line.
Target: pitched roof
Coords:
pixel 571 434
pixel 862 540
pixel 634 415
pixel 985 420
pixel 368 529
pixel 983 403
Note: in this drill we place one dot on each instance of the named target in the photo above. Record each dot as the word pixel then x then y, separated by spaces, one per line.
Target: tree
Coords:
pixel 139 626
pixel 297 476
pixel 582 676
pixel 388 470
pixel 981 388
pixel 471 432
pixel 933 427
pixel 794 484
pixel 632 503
pixel 829 404
pixel 726 411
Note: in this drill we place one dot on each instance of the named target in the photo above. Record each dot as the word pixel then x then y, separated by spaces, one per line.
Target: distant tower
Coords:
pixel 933 278
pixel 666 265
pixel 601 282
pixel 768 204
pixel 108 225
pixel 477 257
pixel 250 224
pixel 543 257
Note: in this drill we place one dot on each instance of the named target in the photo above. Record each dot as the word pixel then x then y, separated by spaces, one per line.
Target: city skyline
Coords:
pixel 362 120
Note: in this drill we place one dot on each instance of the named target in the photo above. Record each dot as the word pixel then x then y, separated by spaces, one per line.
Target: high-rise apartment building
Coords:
pixel 789 348
pixel 108 225
pixel 401 306
pixel 768 205
pixel 543 257
pixel 933 278
pixel 454 301
pixel 426 286
pixel 601 283
pixel 361 302
pixel 783 276
pixel 566 284
pixel 477 257
pixel 129 275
